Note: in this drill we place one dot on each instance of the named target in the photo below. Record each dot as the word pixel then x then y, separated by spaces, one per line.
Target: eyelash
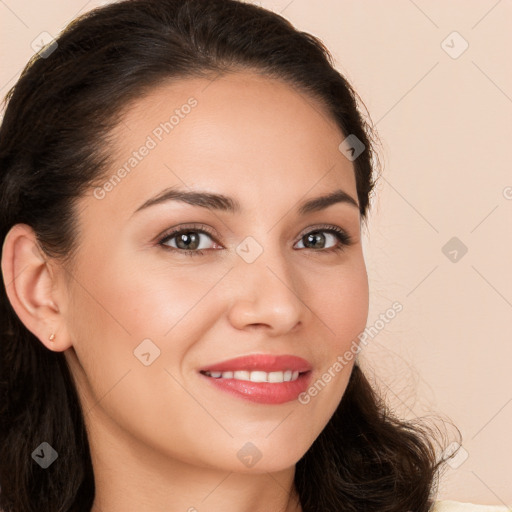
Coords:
pixel 344 239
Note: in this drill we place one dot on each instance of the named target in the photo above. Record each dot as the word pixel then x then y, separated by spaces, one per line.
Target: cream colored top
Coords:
pixel 457 506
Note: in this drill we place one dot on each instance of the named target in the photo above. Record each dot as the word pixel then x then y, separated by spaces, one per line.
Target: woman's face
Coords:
pixel 146 312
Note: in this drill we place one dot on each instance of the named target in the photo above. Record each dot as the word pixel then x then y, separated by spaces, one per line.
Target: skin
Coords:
pixel 161 436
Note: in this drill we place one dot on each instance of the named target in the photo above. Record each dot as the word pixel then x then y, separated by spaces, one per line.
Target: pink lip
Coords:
pixel 262 392
pixel 262 362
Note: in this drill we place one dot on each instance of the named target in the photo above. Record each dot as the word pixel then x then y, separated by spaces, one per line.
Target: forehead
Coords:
pixel 241 134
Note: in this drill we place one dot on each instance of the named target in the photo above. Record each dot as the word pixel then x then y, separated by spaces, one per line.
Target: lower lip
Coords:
pixel 263 392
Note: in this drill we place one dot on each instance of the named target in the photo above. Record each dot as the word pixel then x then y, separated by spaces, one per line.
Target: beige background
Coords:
pixel 445 122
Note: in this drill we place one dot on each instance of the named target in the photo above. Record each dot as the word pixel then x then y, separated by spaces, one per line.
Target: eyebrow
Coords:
pixel 224 203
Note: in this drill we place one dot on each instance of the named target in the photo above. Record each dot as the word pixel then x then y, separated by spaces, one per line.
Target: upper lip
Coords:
pixel 263 362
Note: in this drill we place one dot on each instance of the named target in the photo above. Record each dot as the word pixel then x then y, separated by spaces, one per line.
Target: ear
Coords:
pixel 32 287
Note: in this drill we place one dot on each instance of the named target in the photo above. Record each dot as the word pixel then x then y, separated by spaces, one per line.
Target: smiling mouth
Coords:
pixel 256 375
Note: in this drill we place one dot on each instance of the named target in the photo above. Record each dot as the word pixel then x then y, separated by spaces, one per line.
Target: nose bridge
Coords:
pixel 263 258
pixel 266 291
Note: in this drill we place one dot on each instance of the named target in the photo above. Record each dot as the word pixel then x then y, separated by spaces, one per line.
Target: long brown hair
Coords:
pixel 54 146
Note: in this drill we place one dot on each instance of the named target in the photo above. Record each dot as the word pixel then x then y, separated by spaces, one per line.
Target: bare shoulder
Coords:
pixel 457 506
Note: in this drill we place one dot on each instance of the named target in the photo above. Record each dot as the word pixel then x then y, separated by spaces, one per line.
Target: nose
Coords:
pixel 267 295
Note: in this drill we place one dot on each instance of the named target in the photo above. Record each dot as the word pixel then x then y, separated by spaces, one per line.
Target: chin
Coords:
pixel 250 458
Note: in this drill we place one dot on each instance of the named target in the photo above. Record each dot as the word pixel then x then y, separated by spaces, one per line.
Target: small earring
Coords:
pixel 52 336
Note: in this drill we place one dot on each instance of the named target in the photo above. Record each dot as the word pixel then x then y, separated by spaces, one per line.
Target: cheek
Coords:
pixel 135 298
pixel 123 302
pixel 109 319
pixel 340 300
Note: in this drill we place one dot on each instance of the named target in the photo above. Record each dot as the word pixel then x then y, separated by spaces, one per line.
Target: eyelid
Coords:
pixel 172 232
pixel 322 227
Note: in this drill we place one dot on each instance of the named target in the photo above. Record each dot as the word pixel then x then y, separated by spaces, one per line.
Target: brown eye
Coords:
pixel 323 239
pixel 187 241
pixel 314 240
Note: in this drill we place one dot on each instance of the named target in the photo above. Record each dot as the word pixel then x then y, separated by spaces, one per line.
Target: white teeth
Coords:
pixel 241 375
pixel 256 375
pixel 275 377
pixel 259 377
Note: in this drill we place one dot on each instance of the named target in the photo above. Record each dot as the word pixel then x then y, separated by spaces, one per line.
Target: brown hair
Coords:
pixel 54 146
